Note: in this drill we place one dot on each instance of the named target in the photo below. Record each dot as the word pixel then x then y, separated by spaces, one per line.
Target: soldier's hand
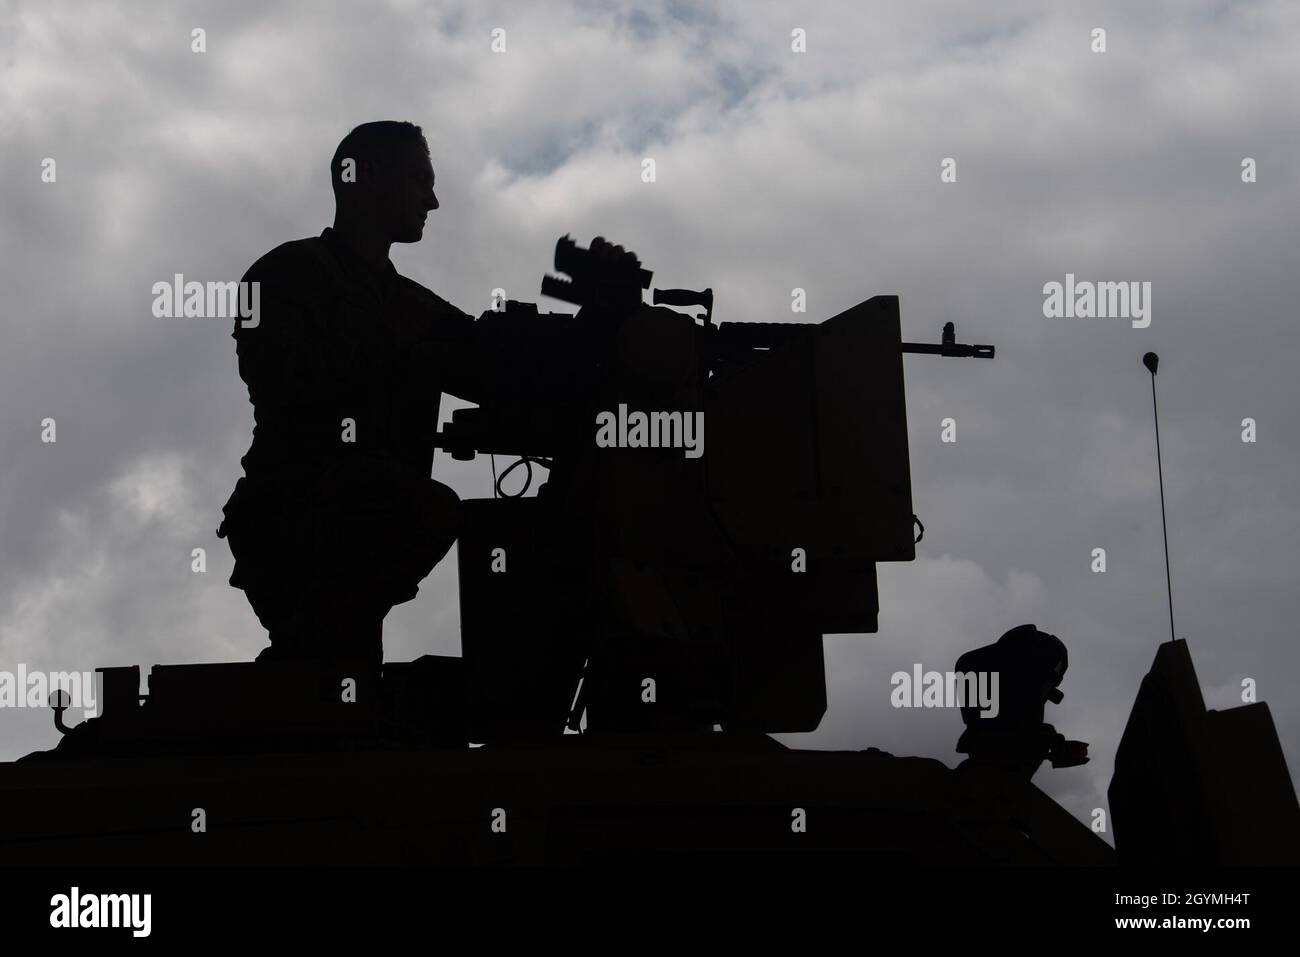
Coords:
pixel 603 248
pixel 1070 754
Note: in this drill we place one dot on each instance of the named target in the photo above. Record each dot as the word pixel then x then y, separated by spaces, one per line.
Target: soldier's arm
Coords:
pixel 505 358
pixel 284 358
pixel 452 352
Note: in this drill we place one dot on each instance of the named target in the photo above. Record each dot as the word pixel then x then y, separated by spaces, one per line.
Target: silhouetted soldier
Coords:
pixel 1030 665
pixel 337 518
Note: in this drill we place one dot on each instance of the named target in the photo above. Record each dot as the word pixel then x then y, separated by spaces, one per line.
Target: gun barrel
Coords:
pixel 958 350
pixel 765 335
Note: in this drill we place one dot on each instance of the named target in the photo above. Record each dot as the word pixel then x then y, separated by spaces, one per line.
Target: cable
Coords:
pixel 1164 525
pixel 527 463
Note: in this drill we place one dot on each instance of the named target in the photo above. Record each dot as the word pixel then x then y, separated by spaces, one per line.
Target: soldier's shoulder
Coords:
pixel 296 259
pixel 429 299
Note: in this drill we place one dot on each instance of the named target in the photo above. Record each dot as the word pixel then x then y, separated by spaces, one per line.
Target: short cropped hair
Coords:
pixel 371 141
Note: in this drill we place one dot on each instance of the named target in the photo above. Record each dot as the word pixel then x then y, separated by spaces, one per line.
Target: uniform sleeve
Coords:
pixel 452 352
pixel 271 351
pixel 289 361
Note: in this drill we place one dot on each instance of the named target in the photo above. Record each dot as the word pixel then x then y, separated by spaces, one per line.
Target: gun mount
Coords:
pixel 677 590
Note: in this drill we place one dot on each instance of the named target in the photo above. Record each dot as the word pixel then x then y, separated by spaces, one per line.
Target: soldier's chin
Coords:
pixel 412 235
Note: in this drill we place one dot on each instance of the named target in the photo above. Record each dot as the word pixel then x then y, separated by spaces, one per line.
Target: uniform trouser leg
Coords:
pixel 321 584
pixel 321 621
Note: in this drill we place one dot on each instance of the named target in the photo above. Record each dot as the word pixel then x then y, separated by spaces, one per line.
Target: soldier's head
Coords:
pixel 1040 655
pixel 383 177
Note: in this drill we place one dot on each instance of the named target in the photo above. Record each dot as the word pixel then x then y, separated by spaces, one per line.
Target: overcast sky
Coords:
pixel 775 170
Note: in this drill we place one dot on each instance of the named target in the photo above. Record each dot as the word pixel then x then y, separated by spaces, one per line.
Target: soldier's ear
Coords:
pixel 365 175
pixel 368 172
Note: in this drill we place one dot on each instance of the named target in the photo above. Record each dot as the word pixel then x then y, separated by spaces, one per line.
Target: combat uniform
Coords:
pixel 337 519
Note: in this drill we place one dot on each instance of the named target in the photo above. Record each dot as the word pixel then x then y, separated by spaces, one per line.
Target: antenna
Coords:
pixel 1152 362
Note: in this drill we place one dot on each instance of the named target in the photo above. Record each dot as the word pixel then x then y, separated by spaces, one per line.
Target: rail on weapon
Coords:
pixel 607 274
pixel 607 283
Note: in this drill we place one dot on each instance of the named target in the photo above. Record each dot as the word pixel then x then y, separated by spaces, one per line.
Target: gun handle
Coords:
pixel 686 297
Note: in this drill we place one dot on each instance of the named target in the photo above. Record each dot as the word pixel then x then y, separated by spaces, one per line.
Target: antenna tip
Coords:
pixel 1151 361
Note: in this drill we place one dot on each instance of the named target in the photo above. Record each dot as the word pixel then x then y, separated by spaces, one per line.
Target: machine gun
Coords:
pixel 555 359
pixel 674 591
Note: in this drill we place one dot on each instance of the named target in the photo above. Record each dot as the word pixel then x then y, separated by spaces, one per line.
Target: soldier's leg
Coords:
pixel 322 587
pixel 322 619
pixel 277 565
pixel 379 545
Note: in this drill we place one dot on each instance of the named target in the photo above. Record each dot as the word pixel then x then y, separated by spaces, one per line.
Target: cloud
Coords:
pixel 775 170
